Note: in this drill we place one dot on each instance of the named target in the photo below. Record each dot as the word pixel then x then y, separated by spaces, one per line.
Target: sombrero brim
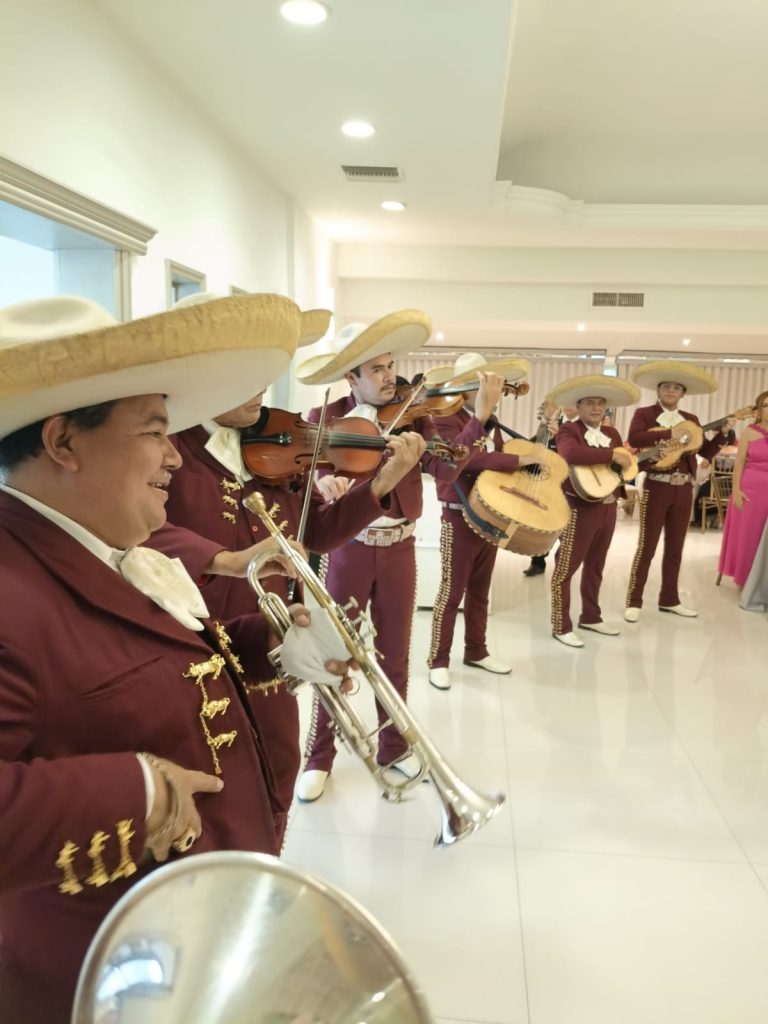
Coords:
pixel 510 369
pixel 438 375
pixel 396 332
pixel 206 358
pixel 614 390
pixel 695 380
pixel 314 326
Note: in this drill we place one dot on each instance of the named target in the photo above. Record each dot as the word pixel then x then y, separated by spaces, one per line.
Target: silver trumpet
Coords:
pixel 464 810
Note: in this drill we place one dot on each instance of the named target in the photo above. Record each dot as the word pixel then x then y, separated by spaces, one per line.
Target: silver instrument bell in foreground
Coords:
pixel 241 938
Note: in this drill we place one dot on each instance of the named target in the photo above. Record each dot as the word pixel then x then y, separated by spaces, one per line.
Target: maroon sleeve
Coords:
pixel 194 551
pixel 330 524
pixel 640 433
pixel 711 447
pixel 251 639
pixel 48 806
pixel 570 444
pixel 468 436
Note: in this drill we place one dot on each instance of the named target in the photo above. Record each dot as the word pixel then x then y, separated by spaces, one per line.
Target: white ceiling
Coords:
pixel 585 124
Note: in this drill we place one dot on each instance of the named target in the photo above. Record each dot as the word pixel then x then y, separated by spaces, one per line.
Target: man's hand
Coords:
pixel 333 487
pixel 406 451
pixel 488 395
pixel 300 616
pixel 235 563
pixel 537 457
pixel 727 425
pixel 739 498
pixel 173 813
pixel 621 458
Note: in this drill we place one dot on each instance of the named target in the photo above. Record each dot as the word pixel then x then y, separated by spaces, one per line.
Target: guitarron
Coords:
pixel 524 511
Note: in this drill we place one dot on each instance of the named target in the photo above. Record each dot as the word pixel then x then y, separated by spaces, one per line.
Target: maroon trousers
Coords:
pixel 664 507
pixel 467 566
pixel 585 542
pixel 385 577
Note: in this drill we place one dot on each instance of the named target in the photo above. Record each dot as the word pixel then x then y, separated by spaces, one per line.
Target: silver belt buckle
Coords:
pixel 610 499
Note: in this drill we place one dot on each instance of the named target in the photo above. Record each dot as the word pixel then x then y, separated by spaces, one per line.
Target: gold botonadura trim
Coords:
pixel 636 600
pixel 444 591
pixel 230 485
pixel 562 568
pixel 99 875
pixel 199 672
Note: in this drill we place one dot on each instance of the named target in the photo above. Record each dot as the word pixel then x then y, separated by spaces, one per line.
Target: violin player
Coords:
pixel 379 565
pixel 206 498
pixel 466 558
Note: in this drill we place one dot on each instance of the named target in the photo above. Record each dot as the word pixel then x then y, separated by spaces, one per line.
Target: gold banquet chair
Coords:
pixel 230 937
pixel 718 497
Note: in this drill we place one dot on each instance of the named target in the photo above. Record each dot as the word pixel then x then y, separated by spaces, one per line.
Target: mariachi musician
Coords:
pixel 667 494
pixel 587 537
pixel 379 565
pixel 466 558
pixel 206 498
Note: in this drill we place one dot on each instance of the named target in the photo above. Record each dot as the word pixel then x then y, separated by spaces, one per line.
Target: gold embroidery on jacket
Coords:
pixel 229 517
pixel 211 708
pixel 70 885
pixel 126 867
pixel 224 645
pixel 271 686
pixel 98 875
pixel 212 667
pixel 230 485
pixel 230 501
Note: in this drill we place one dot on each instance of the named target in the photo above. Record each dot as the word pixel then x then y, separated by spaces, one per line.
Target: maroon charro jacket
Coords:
pixel 641 435
pixel 407 497
pixel 204 497
pixel 452 427
pixel 91 672
pixel 576 452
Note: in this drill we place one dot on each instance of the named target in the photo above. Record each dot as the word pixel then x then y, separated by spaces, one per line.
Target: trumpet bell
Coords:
pixel 234 937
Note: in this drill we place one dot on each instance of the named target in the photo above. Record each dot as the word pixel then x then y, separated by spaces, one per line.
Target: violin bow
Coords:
pixel 416 391
pixel 308 489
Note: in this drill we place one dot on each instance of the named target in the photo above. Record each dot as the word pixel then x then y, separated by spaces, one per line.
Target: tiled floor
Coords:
pixel 625 881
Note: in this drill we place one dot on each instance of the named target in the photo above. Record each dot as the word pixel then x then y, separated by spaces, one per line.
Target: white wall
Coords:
pixel 96 115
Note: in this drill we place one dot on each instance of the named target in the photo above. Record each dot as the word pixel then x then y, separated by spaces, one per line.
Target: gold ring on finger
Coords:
pixel 185 841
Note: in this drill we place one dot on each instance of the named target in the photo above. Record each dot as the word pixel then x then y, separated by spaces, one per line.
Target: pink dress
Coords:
pixel 744 528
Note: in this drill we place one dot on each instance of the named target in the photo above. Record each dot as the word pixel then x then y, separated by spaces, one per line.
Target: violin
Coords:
pixel 280 445
pixel 404 408
pixel 463 388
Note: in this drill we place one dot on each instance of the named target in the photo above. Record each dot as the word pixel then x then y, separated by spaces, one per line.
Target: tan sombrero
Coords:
pixel 62 353
pixel 614 390
pixel 314 322
pixel 469 364
pixel 695 380
pixel 357 343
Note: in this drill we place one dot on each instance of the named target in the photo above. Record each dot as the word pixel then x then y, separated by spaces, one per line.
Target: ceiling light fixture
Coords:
pixel 358 129
pixel 393 205
pixel 581 327
pixel 439 336
pixel 686 341
pixel 304 12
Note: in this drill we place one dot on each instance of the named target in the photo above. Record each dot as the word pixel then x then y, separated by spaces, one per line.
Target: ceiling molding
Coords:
pixel 31 191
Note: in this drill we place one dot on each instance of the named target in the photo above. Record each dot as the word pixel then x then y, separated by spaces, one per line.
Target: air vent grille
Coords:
pixel 636 299
pixel 361 173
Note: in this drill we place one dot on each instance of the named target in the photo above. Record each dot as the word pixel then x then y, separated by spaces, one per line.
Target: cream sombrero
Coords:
pixel 63 353
pixel 469 364
pixel 357 343
pixel 695 380
pixel 595 385
pixel 314 322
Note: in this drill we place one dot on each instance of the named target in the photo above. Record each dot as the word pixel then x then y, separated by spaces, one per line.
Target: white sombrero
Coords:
pixel 357 343
pixel 595 385
pixel 62 353
pixel 314 322
pixel 469 364
pixel 695 380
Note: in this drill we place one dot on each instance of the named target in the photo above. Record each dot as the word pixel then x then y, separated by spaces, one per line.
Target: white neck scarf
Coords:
pixel 165 581
pixel 595 438
pixel 669 418
pixel 224 446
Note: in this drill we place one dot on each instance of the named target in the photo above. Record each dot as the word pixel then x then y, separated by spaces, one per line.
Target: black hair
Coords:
pixel 27 443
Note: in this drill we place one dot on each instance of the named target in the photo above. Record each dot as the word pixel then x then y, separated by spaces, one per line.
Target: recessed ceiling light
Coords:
pixel 393 204
pixel 686 341
pixel 439 336
pixel 581 327
pixel 304 12
pixel 358 129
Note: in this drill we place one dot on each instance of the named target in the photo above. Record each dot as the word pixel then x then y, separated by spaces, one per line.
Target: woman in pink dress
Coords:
pixel 748 509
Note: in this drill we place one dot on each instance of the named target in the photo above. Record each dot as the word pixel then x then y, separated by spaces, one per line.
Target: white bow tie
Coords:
pixel 669 418
pixel 595 438
pixel 224 446
pixel 165 581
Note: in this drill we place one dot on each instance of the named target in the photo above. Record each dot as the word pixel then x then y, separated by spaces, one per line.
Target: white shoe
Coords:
pixel 600 627
pixel 632 614
pixel 409 766
pixel 311 785
pixel 680 609
pixel 440 678
pixel 569 639
pixel 490 665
